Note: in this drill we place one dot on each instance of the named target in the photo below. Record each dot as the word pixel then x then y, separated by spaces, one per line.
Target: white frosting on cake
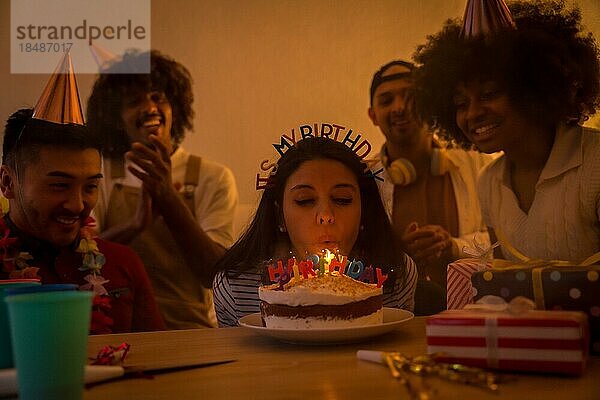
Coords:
pixel 329 289
pixel 272 321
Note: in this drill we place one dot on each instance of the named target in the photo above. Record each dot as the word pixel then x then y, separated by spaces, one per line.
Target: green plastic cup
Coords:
pixel 6 355
pixel 49 333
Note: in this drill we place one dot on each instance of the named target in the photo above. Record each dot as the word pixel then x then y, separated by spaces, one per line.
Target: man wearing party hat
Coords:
pixel 429 190
pixel 175 209
pixel 50 174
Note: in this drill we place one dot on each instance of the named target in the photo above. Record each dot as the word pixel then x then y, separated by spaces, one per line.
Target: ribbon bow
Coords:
pixel 480 250
pixel 517 306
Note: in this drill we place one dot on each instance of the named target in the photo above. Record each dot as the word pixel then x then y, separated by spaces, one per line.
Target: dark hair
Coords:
pixel 549 68
pixel 374 245
pixel 111 87
pixel 25 136
pixel 378 77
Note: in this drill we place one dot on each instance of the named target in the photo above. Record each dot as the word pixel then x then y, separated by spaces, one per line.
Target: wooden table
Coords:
pixel 267 369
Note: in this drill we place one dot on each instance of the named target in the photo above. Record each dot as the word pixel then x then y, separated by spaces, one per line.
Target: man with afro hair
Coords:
pixel 174 208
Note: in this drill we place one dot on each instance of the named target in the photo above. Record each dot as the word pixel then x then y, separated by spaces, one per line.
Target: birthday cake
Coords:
pixel 330 300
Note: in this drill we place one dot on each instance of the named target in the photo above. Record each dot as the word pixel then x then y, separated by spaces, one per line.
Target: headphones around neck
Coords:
pixel 402 171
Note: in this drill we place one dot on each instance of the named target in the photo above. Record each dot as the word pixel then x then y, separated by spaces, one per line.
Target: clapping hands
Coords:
pixel 429 245
pixel 152 165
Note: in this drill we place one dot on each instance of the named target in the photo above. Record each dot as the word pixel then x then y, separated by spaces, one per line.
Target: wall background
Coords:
pixel 263 67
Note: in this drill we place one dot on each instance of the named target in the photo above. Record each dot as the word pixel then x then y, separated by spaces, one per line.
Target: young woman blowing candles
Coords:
pixel 321 196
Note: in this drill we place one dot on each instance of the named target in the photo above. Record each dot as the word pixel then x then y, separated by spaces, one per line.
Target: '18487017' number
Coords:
pixel 44 47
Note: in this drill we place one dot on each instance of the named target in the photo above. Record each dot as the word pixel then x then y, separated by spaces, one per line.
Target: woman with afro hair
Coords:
pixel 526 91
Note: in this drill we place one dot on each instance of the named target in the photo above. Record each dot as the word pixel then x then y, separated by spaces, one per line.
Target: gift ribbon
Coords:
pixel 494 304
pixel 491 341
pixel 480 251
pixel 538 266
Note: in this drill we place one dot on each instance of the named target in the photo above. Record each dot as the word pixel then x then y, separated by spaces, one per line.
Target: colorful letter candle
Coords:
pixel 339 266
pixel 275 271
pixel 355 269
pixel 283 279
pixel 313 258
pixel 380 277
pixel 367 275
pixel 306 269
pixel 327 263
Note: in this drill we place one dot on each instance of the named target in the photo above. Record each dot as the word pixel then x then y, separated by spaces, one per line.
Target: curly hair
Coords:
pixel 548 65
pixel 112 87
pixel 375 243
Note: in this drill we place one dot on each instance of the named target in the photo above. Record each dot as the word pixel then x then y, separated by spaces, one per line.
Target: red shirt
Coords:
pixel 132 304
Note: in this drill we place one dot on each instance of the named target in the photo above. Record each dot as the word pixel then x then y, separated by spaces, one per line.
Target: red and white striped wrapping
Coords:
pixel 459 290
pixel 536 341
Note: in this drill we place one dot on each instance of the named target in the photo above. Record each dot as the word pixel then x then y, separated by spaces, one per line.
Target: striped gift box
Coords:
pixel 459 289
pixel 568 288
pixel 536 341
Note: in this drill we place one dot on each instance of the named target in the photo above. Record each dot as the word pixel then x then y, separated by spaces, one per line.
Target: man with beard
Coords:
pixel 175 209
pixel 429 190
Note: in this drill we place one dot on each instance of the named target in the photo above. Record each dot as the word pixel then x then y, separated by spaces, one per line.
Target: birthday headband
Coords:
pixel 355 141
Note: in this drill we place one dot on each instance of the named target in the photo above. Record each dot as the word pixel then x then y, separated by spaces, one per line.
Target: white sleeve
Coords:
pixel 217 199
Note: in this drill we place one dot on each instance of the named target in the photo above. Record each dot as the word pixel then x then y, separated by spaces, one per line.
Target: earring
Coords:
pixel 362 227
pixel 281 228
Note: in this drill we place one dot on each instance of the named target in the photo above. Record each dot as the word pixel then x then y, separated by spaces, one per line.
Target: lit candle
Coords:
pixel 292 261
pixel 321 270
pixel 328 257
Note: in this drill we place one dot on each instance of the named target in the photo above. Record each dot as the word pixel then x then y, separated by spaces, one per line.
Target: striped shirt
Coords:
pixel 237 296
